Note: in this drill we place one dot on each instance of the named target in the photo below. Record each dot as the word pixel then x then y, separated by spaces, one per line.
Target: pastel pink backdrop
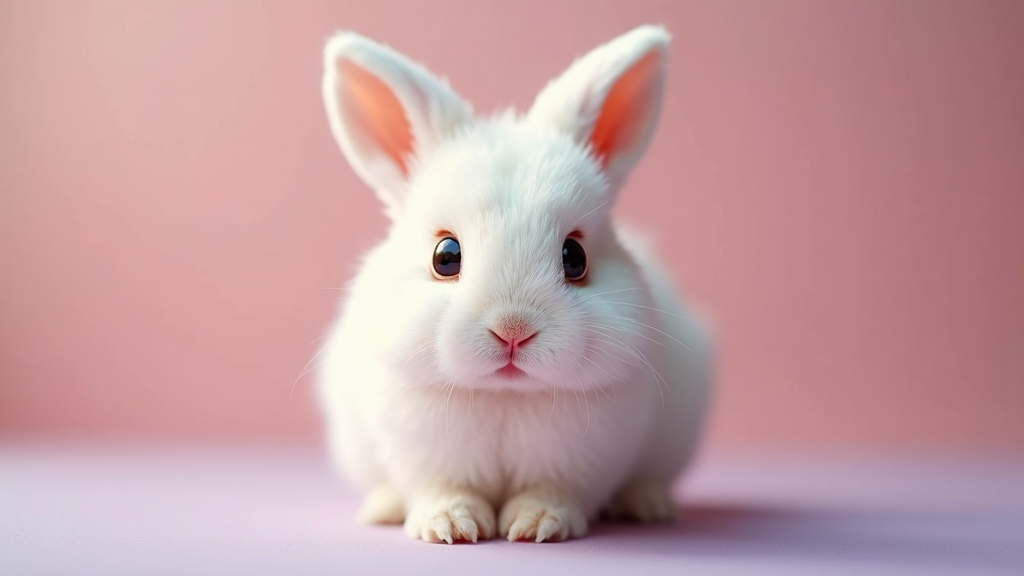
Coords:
pixel 840 185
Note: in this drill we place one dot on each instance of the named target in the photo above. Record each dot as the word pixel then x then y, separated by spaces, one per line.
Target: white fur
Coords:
pixel 572 101
pixel 618 376
pixel 433 110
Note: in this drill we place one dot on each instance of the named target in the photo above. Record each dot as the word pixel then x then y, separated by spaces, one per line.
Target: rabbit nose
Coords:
pixel 514 332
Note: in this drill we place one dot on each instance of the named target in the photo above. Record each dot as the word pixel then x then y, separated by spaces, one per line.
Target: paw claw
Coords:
pixel 450 519
pixel 468 528
pixel 541 517
pixel 548 527
pixel 442 528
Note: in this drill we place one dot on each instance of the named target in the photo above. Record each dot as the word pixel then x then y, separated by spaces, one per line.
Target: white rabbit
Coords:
pixel 507 360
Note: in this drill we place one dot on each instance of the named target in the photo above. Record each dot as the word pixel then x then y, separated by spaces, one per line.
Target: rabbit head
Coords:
pixel 501 268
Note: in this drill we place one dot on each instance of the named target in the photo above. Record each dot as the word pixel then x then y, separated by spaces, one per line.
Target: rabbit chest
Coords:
pixel 499 443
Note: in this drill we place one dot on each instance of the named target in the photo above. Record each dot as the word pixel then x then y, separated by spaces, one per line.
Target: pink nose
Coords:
pixel 513 333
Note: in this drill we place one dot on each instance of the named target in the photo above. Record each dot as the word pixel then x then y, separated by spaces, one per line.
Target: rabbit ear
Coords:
pixel 610 99
pixel 384 110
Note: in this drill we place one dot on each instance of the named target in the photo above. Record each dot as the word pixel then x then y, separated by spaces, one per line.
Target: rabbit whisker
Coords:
pixel 601 388
pixel 586 401
pixel 451 388
pixel 648 326
pixel 639 355
pixel 596 208
pixel 554 389
pixel 589 296
pixel 644 307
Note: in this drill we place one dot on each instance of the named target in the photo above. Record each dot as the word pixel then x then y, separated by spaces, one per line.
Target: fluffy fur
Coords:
pixel 615 382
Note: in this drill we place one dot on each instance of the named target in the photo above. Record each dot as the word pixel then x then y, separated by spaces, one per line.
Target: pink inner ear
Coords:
pixel 626 109
pixel 375 112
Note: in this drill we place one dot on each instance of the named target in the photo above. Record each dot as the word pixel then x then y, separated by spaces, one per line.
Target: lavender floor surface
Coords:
pixel 138 511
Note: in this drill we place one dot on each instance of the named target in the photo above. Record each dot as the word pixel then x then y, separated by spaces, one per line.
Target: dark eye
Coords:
pixel 447 258
pixel 574 260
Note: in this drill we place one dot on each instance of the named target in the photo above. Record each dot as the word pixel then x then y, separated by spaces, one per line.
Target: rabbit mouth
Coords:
pixel 510 372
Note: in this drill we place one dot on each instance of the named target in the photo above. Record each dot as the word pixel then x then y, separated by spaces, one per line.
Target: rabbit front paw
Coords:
pixel 450 517
pixel 542 515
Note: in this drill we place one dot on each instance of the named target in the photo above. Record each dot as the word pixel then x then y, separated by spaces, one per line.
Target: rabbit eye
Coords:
pixel 574 260
pixel 447 258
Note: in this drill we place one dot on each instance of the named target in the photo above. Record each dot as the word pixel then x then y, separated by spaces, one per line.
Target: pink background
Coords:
pixel 839 184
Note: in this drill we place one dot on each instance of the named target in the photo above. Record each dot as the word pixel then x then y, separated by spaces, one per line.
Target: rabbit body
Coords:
pixel 508 398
